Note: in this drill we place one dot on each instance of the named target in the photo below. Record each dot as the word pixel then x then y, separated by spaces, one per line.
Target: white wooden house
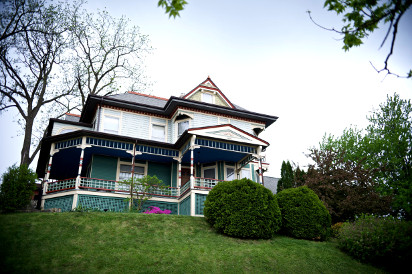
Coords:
pixel 190 142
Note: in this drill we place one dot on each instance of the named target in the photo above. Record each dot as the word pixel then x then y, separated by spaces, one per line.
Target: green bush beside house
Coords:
pixel 243 209
pixel 17 188
pixel 303 214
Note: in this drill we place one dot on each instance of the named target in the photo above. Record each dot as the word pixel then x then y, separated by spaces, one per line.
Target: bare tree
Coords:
pixel 30 52
pixel 52 55
pixel 108 55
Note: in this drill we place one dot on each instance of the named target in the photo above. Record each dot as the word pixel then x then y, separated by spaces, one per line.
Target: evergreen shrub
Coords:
pixel 17 188
pixel 243 209
pixel 381 241
pixel 303 214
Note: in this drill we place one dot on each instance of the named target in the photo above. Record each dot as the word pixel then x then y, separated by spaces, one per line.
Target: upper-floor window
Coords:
pixel 182 127
pixel 158 133
pixel 111 124
pixel 207 98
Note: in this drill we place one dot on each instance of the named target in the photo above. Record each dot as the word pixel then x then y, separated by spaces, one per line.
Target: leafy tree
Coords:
pixel 347 188
pixel 363 17
pixel 389 148
pixel 142 189
pixel 54 55
pixel 172 7
pixel 290 177
pixel 17 188
pixel 286 177
pixel 299 176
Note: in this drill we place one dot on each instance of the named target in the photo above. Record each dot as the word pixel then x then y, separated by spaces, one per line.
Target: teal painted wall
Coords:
pixel 102 203
pixel 252 169
pixel 104 167
pixel 65 203
pixel 199 203
pixel 184 207
pixel 220 171
pixel 162 172
pixel 174 174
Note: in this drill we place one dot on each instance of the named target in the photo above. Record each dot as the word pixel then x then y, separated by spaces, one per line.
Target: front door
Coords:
pixel 185 176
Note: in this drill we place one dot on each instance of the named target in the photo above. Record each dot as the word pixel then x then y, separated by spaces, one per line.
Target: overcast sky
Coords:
pixel 268 57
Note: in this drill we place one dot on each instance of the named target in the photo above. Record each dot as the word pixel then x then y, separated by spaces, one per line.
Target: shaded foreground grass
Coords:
pixel 130 242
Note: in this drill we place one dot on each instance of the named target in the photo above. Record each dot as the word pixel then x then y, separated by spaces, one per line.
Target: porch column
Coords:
pixel 259 152
pixel 83 146
pixel 192 148
pixel 47 174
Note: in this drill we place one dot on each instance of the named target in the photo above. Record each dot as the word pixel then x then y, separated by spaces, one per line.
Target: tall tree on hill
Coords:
pixel 286 177
pixel 389 147
pixel 53 54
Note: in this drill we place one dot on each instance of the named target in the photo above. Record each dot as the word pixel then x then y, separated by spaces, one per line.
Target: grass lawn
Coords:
pixel 129 242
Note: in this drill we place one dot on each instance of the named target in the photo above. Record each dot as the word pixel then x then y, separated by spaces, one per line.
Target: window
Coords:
pixel 245 173
pixel 209 173
pixel 207 98
pixel 111 124
pixel 158 133
pixel 182 127
pixel 230 173
pixel 126 172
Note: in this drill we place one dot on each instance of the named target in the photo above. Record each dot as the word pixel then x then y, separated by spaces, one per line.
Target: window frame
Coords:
pixel 212 97
pixel 110 131
pixel 214 167
pixel 164 132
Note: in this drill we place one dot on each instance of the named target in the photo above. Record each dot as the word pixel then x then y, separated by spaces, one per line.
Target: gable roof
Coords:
pixel 140 98
pixel 209 85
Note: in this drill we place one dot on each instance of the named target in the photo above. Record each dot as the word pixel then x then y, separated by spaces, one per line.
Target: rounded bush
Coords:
pixel 243 209
pixel 303 214
pixel 384 242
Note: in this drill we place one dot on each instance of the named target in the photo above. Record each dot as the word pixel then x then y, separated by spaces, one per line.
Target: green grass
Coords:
pixel 129 242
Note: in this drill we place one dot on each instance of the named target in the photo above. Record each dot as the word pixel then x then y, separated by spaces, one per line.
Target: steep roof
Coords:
pixel 140 98
pixel 208 85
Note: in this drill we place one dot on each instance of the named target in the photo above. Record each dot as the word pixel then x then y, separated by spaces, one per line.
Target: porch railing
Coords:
pixel 61 185
pixel 94 184
pixel 115 186
pixel 207 183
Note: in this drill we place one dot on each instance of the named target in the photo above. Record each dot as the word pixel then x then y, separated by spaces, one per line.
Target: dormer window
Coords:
pixel 182 121
pixel 182 127
pixel 207 98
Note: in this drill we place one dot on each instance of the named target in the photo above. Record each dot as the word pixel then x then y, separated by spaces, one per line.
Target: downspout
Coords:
pixel 98 118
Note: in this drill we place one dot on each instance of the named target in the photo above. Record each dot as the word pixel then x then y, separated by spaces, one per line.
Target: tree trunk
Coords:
pixel 25 151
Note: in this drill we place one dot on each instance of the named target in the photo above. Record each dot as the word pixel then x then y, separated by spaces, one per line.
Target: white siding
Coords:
pixel 169 131
pixel 243 125
pixel 58 127
pixel 204 120
pixel 135 125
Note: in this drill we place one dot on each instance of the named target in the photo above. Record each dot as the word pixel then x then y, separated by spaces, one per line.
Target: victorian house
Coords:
pixel 190 142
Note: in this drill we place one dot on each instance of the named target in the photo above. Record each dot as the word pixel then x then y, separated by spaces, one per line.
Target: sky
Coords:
pixel 267 57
